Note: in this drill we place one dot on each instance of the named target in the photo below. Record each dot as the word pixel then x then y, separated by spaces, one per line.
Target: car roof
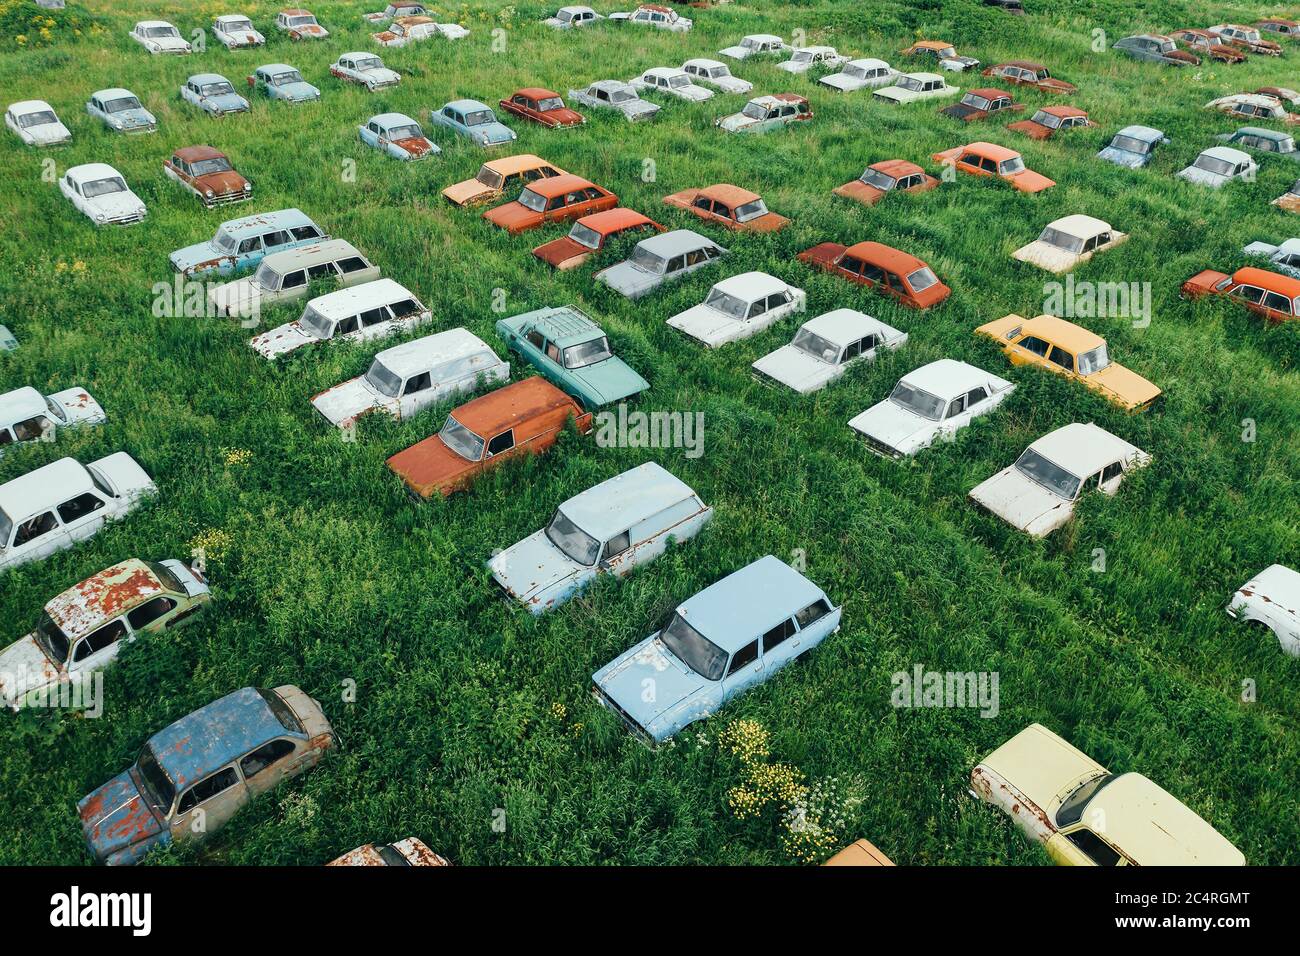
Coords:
pixel 342 303
pixel 214 735
pixel 231 16
pixel 947 378
pixel 778 99
pixel 201 78
pixel 85 606
pixel 21 404
pixel 867 63
pixel 990 150
pixel 1226 153
pixel 749 286
pixel 29 106
pixel 703 61
pixel 624 501
pixel 1145 133
pixel 415 20
pixel 1082 449
pixel 535 92
pixel 671 243
pixel 842 326
pixel 931 45
pixel 988 92
pixel 664 71
pixel 613 220
pixel 612 85
pixel 1156 828
pixel 814 49
pixel 153 23
pixel 111 92
pixel 1251 99
pixel 357 53
pixel 1063 110
pixel 327 250
pixel 411 358
pixel 488 414
pixel 276 68
pixel 296 12
pixel 57 481
pixel 1272 281
pixel 925 77
pixel 566 325
pixel 897 167
pixel 553 186
pixel 749 602
pixel 392 119
pixel 761 36
pixel 1080 226
pixel 467 106
pixel 887 257
pixel 194 154
pixel 1024 65
pixel 262 221
pixel 92 171
pixel 509 165
pixel 1065 334
pixel 729 194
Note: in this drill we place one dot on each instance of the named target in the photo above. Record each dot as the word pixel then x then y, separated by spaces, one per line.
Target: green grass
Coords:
pixel 332 574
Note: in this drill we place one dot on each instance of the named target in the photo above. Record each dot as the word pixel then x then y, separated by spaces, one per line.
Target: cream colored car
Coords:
pixel 1068 242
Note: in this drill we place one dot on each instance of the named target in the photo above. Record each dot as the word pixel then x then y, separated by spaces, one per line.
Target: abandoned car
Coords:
pixel 590 234
pixel 409 852
pixel 1284 257
pixel 101 194
pixel 673 81
pixel 891 271
pixel 980 104
pixel 804 58
pixel 880 179
pixel 616 95
pixel 1274 296
pixel 1069 241
pixel 1271 600
pixel 566 18
pixel 764 113
pixel 498 175
pixel 660 259
pixel 474 121
pixel 1046 122
pixel 300 25
pixel 120 110
pixel 989 159
pixel 286 276
pixel 542 106
pixel 555 199
pixel 235 31
pixel 824 348
pixel 279 81
pixel 27 415
pixel 863 74
pixel 372 310
pixel 397 135
pixel 941 53
pixel 1272 141
pixel 365 69
pixel 739 307
pixel 1024 73
pixel 207 173
pixel 1133 146
pixel 1155 48
pixel 913 87
pixel 36 123
pixel 159 36
pixel 738 209
pixel 713 73
pixel 214 94
pixel 1217 166
pixel 756 44
pixel 654 15
pixel 242 244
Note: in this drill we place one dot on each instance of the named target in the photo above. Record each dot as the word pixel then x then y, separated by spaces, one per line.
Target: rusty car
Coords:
pixel 1246 38
pixel 1271 601
pixel 738 209
pixel 279 81
pixel 825 348
pixel 989 159
pixel 880 179
pixel 1068 242
pixel 27 415
pixel 1046 122
pixel 590 234
pixel 1279 27
pixel 1209 44
pixel 980 104
pixel 242 244
pixel 398 136
pixel 159 36
pixel 300 24
pixel 865 74
pixel 654 15
pixel 556 199
pixel 365 69
pixel 941 53
pixel 660 259
pixel 120 111
pixel 764 113
pixel 805 58
pixel 1272 295
pixel 496 176
pixel 235 31
pixel 1219 165
pixel 543 106
pixel 1133 146
pixel 897 274
pixel 1263 106
pixel 618 96
pixel 671 80
pixel 214 94
pixel 1271 141
pixel 208 174
pixel 1025 73
pixel 1155 48
pixel 409 852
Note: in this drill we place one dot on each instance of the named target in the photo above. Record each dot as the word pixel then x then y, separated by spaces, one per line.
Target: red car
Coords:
pixel 873 264
pixel 558 199
pixel 989 159
pixel 542 106
pixel 880 179
pixel 1045 122
pixel 1274 296
pixel 1024 73
pixel 207 173
pixel 590 234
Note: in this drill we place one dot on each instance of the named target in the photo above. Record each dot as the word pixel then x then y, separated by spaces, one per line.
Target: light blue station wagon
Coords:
pixel 242 244
pixel 280 81
pixel 732 635
pixel 475 121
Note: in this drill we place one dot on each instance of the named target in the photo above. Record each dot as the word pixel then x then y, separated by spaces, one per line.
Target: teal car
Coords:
pixel 572 352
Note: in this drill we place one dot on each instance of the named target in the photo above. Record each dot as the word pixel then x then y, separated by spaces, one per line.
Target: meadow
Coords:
pixel 471 725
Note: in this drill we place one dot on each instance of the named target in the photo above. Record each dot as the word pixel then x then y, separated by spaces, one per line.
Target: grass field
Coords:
pixel 325 572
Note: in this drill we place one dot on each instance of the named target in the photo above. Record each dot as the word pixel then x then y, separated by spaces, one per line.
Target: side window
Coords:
pixel 873 274
pixel 277 238
pixel 1058 356
pixel 780 633
pixel 1034 344
pixel 777 299
pixel 618 544
pixel 853 350
pixel 676 263
pixel 503 442
pixel 535 339
pixel 757 308
pixel 1278 303
pixel 253 244
pixel 703 203
pixel 321 270
pixel 6 436
pixel 850 264
pixel 347 326
pixel 743 657
pixel 695 257
pixel 553 353
pixel 264 756
pixel 207 789
pixel 976 395
pixel 989 165
pixel 32 428
pixel 812 613
pixel 402 309
pixel 34 528
pixel 1111 471
pixel 305 232
pixel 1097 849
pixel 147 613
pixel 294 280
pixel 351 264
pixel 374 316
pixel 79 507
pixel 956 406
pixel 417 383
pixel 96 641
pixel 1249 292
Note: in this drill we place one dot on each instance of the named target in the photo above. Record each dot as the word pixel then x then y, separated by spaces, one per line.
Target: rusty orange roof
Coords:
pixel 990 151
pixel 931 45
pixel 729 194
pixel 559 185
pixel 989 92
pixel 536 92
pixel 897 168
pixel 614 220
pixel 790 97
pixel 887 257
pixel 1064 111
pixel 1024 65
pixel 196 154
pixel 496 411
pixel 85 606
pixel 509 165
pixel 1272 281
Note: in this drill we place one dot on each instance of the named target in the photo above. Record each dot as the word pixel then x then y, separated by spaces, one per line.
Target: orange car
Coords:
pixel 498 175
pixel 890 175
pixel 1045 122
pixel 558 199
pixel 542 106
pixel 590 234
pixel 1274 296
pixel 875 265
pixel 859 853
pixel 527 416
pixel 737 209
pixel 207 173
pixel 990 159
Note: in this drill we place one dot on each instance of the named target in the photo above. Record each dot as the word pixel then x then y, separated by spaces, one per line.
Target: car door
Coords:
pixel 37 537
pixel 744 670
pixel 274 761
pixel 378 323
pixel 1080 846
pixel 207 804
pixel 83 515
pixel 417 393
pixel 1028 350
pixel 97 650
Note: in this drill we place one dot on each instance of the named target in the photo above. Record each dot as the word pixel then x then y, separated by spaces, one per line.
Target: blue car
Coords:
pixel 194 775
pixel 282 82
pixel 475 121
pixel 120 111
pixel 1133 146
pixel 732 635
pixel 242 244
pixel 397 135
pixel 214 94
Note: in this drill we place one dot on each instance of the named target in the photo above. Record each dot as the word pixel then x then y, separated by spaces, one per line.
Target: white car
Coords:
pixel 410 377
pixel 365 69
pixel 36 123
pixel 159 36
pixel 1218 166
pixel 616 95
pixel 102 195
pixel 1068 242
pixel 805 58
pixel 407 30
pixel 756 44
pixel 913 87
pixel 1271 599
pixel 824 348
pixel 235 31
pixel 1038 493
pixel 739 307
pixel 372 310
pixel 566 18
pixel 1253 106
pixel 285 276
pixel 27 415
pixel 395 10
pixel 931 403
pixel 64 502
pixel 1284 258
pixel 654 15
pixel 716 74
pixel 860 74
pixel 667 79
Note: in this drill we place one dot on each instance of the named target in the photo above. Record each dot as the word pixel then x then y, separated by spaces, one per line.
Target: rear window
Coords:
pixel 288 720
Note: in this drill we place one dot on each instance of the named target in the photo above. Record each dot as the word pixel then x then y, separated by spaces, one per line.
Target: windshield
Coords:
pixel 622 95
pixel 1094 360
pixel 1044 118
pixel 909 83
pixel 877 179
pixel 816 346
pixel 237 25
pixel 103 187
pixel 284 79
pixel 947 52
pixel 122 103
pixel 39 118
pixel 718 72
pixel 216 89
pixel 479 117
pixel 461 440
pixel 301 21
pixel 158 787
pixel 575 543
pixel 1009 166
pixel 728 305
pixel 157 32
pixel 266 278
pixel 1071 811
pixel 550 103
pixel 917 402
pixel 856 72
pixel 754 111
pixel 368 63
pixel 1220 167
pixel 52 639
pixel 1131 145
pixel 979 102
pixel 585 236
pixel 166 576
pixel 921 279
pixel 1061 240
pixel 217 164
pixel 531 200
pixel 678 81
pixel 801 56
pixel 751 210
pixel 224 241
pixel 315 323
pixel 587 353
pixel 490 177
pixel 693 649
pixel 1052 477
pixel 643 258
pixel 385 380
pixel 410 131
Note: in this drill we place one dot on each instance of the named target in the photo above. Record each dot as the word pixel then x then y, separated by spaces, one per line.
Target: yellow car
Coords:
pixel 1074 352
pixel 1083 815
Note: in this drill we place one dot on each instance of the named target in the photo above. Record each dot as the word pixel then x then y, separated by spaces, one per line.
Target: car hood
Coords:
pixel 896 427
pixel 222 183
pixel 281 340
pixel 532 568
pixel 430 467
pixel 842 81
pixel 1203 177
pixel 628 279
pixel 1047 256
pixel 610 380
pixel 860 191
pixel 1053 85
pixel 1127 387
pixel 417 147
pixel 299 91
pixel 244 36
pixel 24 667
pixel 1028 181
pixel 79 405
pixel 228 102
pixel 382 75
pixel 1022 502
pixel 168 44
pixel 796 368
pixel 496 133
pixel 191 256
pixel 314 30
pixel 124 474
pixel 897 94
pixel 134 119
pixel 737 122
pixel 513 215
pixel 557 252
pixel 694 93
pixel 344 404
pixel 116 204
pixel 708 325
pixel 1123 157
pixel 638 107
pixel 649 664
pixel 48 133
pixel 117 817
pixel 468 191
pixel 1031 129
pixel 563 117
pixel 732 84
